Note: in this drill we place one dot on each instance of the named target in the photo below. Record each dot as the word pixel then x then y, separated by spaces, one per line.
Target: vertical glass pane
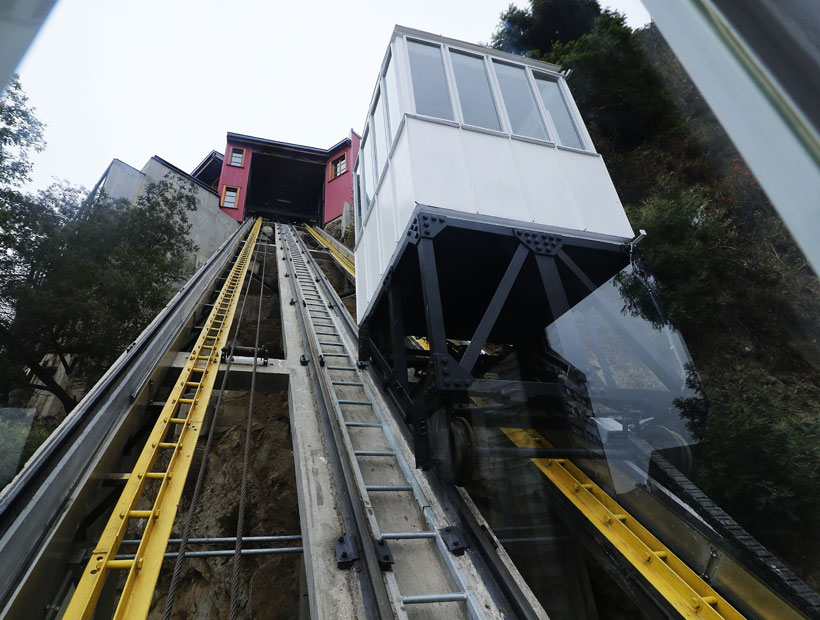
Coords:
pixel 519 101
pixel 474 92
pixel 378 136
pixel 391 93
pixel 557 108
pixel 429 82
pixel 357 197
pixel 366 166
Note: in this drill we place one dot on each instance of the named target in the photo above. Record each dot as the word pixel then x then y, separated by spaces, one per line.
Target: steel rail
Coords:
pixel 203 467
pixel 307 277
pixel 343 261
pixel 374 591
pixel 485 544
pixel 182 412
pixel 43 505
pixel 243 493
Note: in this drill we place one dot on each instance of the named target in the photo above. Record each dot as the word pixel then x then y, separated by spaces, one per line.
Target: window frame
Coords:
pixel 448 79
pixel 225 193
pixel 241 163
pixel 399 51
pixel 343 158
pixel 494 96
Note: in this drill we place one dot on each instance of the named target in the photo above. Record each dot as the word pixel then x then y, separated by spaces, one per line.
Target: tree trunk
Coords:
pixel 18 351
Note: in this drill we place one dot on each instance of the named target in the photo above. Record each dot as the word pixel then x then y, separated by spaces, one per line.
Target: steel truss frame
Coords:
pixel 550 266
pixel 538 267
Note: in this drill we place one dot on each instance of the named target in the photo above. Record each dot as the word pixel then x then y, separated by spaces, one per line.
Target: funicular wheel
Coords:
pixel 678 452
pixel 462 451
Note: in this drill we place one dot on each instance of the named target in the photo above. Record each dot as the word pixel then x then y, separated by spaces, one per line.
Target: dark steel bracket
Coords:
pixel 540 243
pixel 383 553
pixel 347 551
pixel 454 538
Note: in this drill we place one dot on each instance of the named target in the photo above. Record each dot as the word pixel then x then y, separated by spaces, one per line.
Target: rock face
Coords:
pixel 269 584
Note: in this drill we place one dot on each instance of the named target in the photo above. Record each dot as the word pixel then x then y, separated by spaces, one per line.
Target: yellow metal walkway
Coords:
pixel 343 261
pixel 184 411
pixel 690 595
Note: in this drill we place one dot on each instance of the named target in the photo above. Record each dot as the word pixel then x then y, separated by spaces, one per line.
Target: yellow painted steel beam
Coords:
pixel 690 595
pixel 344 262
pixel 175 433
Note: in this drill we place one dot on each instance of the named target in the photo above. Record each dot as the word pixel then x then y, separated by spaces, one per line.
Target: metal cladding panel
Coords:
pixel 387 221
pixel 440 173
pixel 496 183
pixel 465 170
pixel 546 187
pixel 362 289
pixel 402 179
pixel 372 263
pixel 596 200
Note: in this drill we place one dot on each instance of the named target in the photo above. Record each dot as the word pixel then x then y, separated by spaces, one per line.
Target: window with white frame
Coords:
pixel 474 93
pixel 237 156
pixel 357 196
pixel 378 133
pixel 230 195
pixel 338 166
pixel 556 106
pixel 519 100
pixel 430 90
pixel 366 171
pixel 391 94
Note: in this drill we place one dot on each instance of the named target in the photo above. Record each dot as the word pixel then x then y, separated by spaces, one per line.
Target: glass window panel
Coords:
pixel 429 82
pixel 366 156
pixel 557 107
pixel 378 136
pixel 519 101
pixel 474 93
pixel 358 197
pixel 391 93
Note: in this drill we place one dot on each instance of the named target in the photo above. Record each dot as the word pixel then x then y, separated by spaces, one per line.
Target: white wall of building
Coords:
pixel 209 226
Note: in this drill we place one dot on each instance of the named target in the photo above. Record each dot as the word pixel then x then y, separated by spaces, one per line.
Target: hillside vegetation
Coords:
pixel 732 279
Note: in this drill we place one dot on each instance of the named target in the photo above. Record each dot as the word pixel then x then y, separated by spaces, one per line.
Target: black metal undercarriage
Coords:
pixel 457 332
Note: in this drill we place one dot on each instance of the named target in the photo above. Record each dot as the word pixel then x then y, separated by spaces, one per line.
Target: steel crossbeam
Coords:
pixel 175 432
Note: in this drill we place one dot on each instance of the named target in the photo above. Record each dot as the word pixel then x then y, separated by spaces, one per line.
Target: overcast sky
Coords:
pixel 129 79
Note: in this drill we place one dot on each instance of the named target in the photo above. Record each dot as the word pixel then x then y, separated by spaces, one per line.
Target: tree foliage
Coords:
pixel 80 276
pixel 730 275
pixel 618 91
pixel 20 134
pixel 546 22
pixel 83 276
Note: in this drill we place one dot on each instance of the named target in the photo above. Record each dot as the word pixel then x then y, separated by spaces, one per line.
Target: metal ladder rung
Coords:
pixel 407 535
pixel 388 487
pixel 355 402
pixel 363 424
pixel 373 453
pixel 332 344
pixel 336 355
pixel 444 597
pixel 359 383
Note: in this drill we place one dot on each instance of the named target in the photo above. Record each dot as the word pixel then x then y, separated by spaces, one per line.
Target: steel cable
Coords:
pixel 200 478
pixel 237 558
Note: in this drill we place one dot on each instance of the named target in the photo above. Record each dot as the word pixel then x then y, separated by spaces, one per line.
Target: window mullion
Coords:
pixel 455 101
pixel 552 130
pixel 495 89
